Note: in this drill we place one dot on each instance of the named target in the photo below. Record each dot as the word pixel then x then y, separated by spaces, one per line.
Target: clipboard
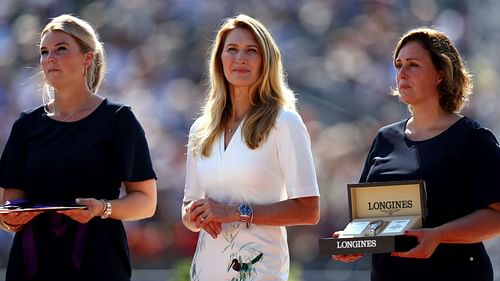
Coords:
pixel 28 206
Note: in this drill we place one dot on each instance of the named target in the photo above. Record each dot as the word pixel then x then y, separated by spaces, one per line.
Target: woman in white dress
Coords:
pixel 250 171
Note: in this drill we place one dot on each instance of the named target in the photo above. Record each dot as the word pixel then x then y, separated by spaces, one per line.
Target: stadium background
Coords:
pixel 338 58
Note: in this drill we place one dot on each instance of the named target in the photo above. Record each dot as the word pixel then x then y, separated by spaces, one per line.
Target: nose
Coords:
pixel 50 58
pixel 402 72
pixel 241 56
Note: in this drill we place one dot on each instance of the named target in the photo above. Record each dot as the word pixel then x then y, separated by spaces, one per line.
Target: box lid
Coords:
pixel 382 199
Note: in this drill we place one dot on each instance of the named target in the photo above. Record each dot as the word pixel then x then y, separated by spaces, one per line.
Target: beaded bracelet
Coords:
pixel 107 209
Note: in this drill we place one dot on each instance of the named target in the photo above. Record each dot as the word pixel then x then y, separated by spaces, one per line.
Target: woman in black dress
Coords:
pixel 77 146
pixel 458 159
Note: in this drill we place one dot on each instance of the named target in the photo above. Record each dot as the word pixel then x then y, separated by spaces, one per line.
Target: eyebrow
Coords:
pixel 56 45
pixel 249 45
pixel 407 59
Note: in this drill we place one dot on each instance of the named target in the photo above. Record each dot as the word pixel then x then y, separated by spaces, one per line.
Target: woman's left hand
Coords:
pixel 428 240
pixel 210 214
pixel 206 210
pixel 94 208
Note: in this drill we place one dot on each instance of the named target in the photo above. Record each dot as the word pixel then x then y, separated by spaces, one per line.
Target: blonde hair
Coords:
pixel 88 41
pixel 456 85
pixel 272 91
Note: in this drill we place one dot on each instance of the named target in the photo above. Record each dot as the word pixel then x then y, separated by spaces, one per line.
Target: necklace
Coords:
pixel 68 116
pixel 231 130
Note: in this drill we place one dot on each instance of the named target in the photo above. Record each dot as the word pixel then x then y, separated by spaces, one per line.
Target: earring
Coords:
pixel 84 71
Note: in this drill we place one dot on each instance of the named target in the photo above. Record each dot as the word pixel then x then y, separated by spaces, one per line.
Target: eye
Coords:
pixel 61 49
pixel 253 51
pixel 43 52
pixel 398 65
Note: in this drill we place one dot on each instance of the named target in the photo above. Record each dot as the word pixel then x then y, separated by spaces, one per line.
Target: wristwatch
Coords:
pixel 246 213
pixel 373 226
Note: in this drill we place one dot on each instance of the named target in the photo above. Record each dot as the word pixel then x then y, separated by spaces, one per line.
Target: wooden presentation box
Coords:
pixel 379 214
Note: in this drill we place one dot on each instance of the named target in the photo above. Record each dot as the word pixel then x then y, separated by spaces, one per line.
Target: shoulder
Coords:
pixel 467 122
pixel 32 112
pixel 116 107
pixel 29 115
pixel 195 125
pixel 117 112
pixel 477 134
pixel 394 129
pixel 288 118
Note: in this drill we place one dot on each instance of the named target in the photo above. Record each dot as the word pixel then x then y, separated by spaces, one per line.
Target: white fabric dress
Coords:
pixel 281 168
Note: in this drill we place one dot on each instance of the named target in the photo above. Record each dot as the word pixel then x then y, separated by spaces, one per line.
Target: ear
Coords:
pixel 440 77
pixel 88 58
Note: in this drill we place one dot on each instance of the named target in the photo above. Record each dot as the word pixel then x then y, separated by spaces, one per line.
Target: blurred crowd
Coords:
pixel 337 54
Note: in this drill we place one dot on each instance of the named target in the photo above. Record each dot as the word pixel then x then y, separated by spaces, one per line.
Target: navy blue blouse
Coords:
pixel 60 161
pixel 460 168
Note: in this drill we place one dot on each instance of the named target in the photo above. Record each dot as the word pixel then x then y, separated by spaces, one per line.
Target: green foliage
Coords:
pixel 295 272
pixel 180 270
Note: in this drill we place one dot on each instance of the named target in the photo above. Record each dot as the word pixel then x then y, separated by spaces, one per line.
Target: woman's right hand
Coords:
pixel 208 215
pixel 345 258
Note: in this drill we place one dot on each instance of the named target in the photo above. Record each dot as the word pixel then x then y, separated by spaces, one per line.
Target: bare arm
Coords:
pixel 12 194
pixel 208 214
pixel 299 211
pixel 481 225
pixel 478 226
pixel 139 203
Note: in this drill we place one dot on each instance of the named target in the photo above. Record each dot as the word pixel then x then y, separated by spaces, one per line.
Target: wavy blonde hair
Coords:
pixel 456 85
pixel 272 91
pixel 87 40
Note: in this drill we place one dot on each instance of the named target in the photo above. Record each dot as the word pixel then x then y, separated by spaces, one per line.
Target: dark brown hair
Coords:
pixel 456 85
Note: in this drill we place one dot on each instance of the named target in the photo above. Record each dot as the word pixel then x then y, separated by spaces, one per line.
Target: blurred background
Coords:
pixel 337 54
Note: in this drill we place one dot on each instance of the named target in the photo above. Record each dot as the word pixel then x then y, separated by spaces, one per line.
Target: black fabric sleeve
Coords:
pixel 483 166
pixel 131 148
pixel 368 161
pixel 14 156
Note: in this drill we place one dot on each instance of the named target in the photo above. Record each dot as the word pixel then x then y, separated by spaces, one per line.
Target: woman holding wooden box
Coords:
pixel 458 159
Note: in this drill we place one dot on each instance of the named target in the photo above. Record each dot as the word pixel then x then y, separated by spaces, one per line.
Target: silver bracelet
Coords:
pixel 107 210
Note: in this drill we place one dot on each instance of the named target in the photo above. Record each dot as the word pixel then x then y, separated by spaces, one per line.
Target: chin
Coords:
pixel 242 84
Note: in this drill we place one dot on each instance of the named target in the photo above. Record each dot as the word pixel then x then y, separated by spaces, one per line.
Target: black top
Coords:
pixel 60 161
pixel 460 168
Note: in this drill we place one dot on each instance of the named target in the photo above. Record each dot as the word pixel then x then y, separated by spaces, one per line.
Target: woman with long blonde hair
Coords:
pixel 250 170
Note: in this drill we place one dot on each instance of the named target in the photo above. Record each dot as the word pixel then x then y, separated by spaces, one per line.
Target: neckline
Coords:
pixel 434 137
pixel 223 136
pixel 84 118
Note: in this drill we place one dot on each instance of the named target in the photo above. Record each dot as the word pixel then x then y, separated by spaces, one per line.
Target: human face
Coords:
pixel 61 59
pixel 241 58
pixel 417 77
